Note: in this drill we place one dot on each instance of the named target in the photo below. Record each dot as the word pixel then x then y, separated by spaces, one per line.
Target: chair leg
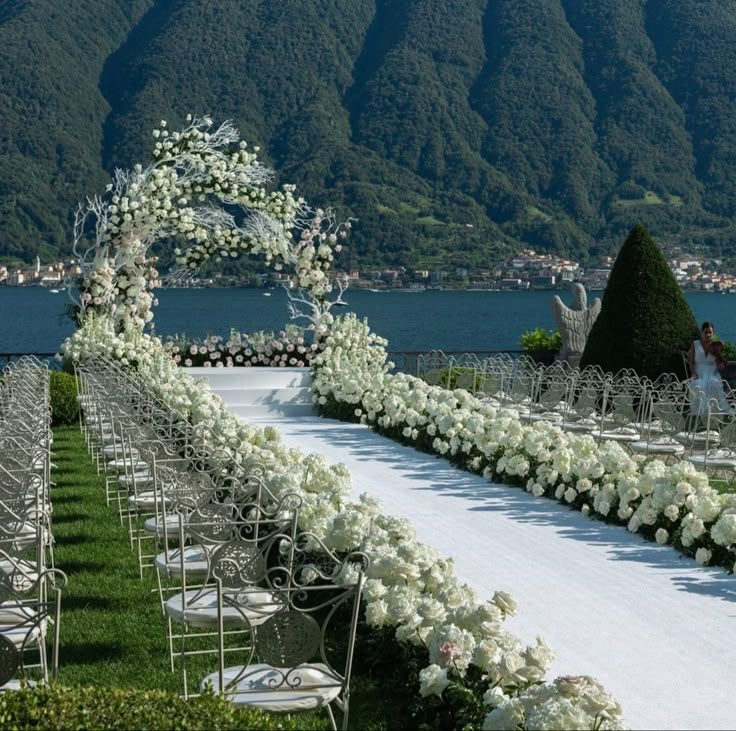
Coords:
pixel 333 723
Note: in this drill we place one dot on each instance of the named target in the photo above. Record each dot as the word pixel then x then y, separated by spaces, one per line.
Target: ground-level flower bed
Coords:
pixel 287 348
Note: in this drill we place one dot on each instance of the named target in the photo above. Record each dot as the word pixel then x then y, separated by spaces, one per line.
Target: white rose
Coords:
pixel 505 602
pixel 487 654
pixel 697 528
pixel 432 681
pixel 661 536
pixel 494 697
pixel 541 655
pixel 672 512
pixel 703 556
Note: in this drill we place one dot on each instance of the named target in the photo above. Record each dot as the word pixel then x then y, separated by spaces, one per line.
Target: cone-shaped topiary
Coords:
pixel 645 321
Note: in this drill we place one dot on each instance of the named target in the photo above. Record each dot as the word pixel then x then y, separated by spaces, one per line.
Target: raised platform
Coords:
pixel 261 392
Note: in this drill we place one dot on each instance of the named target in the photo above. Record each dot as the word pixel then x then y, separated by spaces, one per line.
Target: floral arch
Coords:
pixel 205 190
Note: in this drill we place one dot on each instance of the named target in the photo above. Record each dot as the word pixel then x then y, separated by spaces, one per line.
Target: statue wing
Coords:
pixel 559 310
pixel 592 312
pixel 569 321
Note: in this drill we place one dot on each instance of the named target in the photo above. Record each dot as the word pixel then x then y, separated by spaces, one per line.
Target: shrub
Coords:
pixel 64 404
pixel 61 708
pixel 541 345
pixel 645 322
pixel 729 349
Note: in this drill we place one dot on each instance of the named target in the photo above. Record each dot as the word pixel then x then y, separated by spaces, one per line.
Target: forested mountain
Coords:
pixel 452 129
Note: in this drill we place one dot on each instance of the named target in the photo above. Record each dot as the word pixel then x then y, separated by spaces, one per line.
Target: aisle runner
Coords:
pixel 658 630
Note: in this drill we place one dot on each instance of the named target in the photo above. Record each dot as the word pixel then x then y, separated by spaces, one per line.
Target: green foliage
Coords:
pixel 62 708
pixel 554 123
pixel 729 349
pixel 645 322
pixel 63 393
pixel 540 344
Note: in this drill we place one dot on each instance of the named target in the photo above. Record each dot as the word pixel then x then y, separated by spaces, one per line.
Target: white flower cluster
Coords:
pixel 287 348
pixel 98 338
pixel 100 285
pixel 571 702
pixel 409 586
pixel 674 503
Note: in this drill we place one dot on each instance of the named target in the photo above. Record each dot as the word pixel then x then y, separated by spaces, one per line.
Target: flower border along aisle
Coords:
pixel 669 503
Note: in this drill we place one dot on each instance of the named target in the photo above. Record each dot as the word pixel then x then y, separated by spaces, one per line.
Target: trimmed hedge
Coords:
pixel 63 708
pixel 64 403
pixel 541 345
pixel 645 321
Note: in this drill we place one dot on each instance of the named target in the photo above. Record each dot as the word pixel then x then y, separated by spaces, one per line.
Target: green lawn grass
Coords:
pixel 112 629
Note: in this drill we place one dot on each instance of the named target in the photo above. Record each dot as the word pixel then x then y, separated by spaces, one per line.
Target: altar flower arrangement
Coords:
pixel 263 349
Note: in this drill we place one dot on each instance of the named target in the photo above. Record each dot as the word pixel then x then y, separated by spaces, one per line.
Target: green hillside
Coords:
pixel 452 129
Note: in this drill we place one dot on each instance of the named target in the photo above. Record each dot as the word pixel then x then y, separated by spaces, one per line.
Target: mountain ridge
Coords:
pixel 455 131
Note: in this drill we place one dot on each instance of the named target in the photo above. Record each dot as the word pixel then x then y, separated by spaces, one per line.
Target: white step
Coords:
pixel 252 411
pixel 253 377
pixel 264 396
pixel 261 392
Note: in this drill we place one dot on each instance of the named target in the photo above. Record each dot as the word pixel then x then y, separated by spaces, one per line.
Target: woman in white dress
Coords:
pixel 706 364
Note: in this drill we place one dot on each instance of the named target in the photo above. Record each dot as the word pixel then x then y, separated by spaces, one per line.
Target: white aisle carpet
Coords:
pixel 655 628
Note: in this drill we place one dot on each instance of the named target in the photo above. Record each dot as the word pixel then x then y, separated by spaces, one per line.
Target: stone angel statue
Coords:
pixel 574 323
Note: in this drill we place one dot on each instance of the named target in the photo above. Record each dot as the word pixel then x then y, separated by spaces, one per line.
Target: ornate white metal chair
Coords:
pixel 298 657
pixel 237 532
pixel 719 451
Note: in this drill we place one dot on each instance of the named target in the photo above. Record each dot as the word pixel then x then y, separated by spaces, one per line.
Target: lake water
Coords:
pixel 32 318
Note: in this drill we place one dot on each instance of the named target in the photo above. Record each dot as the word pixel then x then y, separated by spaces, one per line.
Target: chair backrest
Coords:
pixel 299 638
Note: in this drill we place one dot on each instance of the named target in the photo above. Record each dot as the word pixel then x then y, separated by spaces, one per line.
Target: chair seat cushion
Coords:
pixel 21 625
pixel 195 561
pixel 656 447
pixel 16 684
pixel 278 690
pixel 141 479
pixel 700 437
pixel 168 523
pixel 720 459
pixel 27 535
pixel 619 435
pixel 23 574
pixel 113 450
pixel 147 500
pixel 546 416
pixel 254 606
pixel 581 425
pixel 123 464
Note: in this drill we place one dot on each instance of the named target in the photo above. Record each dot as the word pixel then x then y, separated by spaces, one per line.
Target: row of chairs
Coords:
pixel 265 605
pixel 30 586
pixel 663 418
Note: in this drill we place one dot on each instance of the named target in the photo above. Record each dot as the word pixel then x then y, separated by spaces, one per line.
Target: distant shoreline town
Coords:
pixel 528 270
